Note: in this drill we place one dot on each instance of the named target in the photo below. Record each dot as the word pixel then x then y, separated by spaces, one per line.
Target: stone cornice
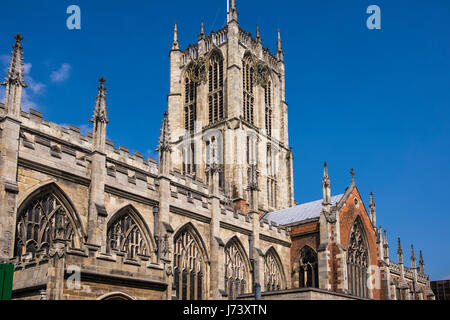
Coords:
pixel 189 214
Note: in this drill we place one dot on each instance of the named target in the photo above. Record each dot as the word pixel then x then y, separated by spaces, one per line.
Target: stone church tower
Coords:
pixel 227 108
pixel 213 219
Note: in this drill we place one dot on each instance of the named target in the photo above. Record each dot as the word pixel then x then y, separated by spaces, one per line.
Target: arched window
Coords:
pixel 44 219
pixel 273 276
pixel 248 90
pixel 306 268
pixel 188 264
pixel 215 93
pixel 125 235
pixel 190 104
pixel 357 261
pixel 236 270
pixel 268 103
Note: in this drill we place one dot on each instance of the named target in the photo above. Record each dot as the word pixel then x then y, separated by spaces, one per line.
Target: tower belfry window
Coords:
pixel 190 105
pixel 215 88
pixel 248 89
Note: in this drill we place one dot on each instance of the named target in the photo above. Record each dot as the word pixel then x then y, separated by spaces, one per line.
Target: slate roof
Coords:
pixel 305 211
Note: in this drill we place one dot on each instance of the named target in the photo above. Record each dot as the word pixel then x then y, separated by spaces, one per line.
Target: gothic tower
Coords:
pixel 227 109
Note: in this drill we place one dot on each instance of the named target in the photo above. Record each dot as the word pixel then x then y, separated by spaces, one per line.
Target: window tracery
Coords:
pixel 124 235
pixel 235 271
pixel 188 267
pixel 357 261
pixel 40 223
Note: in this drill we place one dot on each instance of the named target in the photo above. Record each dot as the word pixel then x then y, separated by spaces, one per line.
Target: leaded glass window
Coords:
pixel 126 236
pixel 248 89
pixel 236 271
pixel 357 261
pixel 190 104
pixel 188 260
pixel 40 223
pixel 306 271
pixel 215 88
pixel 272 272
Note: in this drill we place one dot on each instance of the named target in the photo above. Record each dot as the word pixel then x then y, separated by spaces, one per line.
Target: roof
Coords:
pixel 305 211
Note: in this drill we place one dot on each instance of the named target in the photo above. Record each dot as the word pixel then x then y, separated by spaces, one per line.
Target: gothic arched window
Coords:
pixel 248 90
pixel 215 93
pixel 190 104
pixel 42 221
pixel 306 268
pixel 236 270
pixel 357 261
pixel 273 276
pixel 125 235
pixel 188 267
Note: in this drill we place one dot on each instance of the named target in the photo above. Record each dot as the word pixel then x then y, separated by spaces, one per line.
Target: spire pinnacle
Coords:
pixel 326 186
pixel 175 45
pixel 421 262
pixel 232 12
pixel 15 74
pixel 400 252
pixel 164 138
pixel 279 54
pixel 385 240
pixel 99 118
pixel 279 48
pixel 202 29
pixel 258 35
pixel 413 257
pixel 100 104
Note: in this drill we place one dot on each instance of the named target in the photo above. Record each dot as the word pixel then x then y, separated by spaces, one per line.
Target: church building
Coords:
pixel 213 217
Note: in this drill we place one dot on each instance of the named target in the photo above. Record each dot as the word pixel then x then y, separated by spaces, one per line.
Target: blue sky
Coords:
pixel 373 100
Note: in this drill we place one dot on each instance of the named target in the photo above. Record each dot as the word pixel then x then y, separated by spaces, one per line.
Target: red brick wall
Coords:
pixel 347 214
pixel 301 235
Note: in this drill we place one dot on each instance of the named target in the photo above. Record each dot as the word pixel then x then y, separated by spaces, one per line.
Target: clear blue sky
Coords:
pixel 374 100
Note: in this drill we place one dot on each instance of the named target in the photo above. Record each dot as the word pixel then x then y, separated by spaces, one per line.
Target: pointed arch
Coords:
pixel 357 259
pixel 197 236
pixel 117 295
pixel 237 268
pixel 306 271
pixel 189 263
pixel 128 232
pixel 215 51
pixel 274 277
pixel 44 214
